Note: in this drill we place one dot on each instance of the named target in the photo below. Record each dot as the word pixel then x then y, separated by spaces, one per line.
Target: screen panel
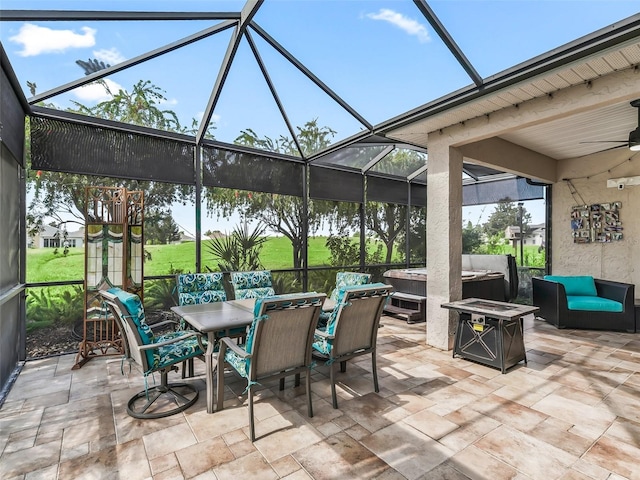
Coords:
pixel 70 147
pixel 515 189
pixel 387 191
pixel 336 185
pixel 253 172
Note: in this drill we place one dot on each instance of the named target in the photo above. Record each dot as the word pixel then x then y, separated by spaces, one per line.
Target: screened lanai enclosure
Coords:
pixel 274 116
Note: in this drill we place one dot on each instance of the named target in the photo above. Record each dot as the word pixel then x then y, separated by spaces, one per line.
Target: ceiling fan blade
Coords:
pixel 610 148
pixel 608 141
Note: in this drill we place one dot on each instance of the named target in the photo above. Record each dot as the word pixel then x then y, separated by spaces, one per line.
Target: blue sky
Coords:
pixel 381 57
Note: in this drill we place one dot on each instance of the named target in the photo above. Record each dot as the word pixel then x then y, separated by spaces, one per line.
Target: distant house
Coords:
pixel 215 234
pixel 52 237
pixel 185 237
pixel 534 236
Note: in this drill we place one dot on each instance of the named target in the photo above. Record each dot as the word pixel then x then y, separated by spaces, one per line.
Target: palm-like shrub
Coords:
pixel 239 251
pixel 161 294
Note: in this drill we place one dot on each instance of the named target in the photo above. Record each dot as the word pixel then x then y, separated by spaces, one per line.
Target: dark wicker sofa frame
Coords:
pixel 551 297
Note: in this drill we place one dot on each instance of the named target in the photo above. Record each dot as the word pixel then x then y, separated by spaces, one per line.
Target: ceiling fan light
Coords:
pixel 634 140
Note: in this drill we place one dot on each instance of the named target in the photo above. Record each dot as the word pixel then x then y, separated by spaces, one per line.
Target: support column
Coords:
pixel 444 240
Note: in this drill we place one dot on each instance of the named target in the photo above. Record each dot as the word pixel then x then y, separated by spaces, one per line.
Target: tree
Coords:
pixel 311 138
pixel 160 228
pixel 417 236
pixel 138 107
pixel 92 65
pixel 60 196
pixel 471 238
pixel 344 250
pixel 505 215
pixel 279 213
pixel 387 221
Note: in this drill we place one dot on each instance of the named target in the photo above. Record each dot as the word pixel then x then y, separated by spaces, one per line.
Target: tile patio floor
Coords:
pixel 572 413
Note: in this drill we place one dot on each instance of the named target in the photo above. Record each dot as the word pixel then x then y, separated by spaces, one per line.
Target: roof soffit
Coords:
pixel 602 64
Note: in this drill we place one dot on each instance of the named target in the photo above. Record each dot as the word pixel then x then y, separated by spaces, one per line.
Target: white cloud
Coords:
pixel 215 118
pixel 95 92
pixel 410 26
pixel 169 101
pixel 110 57
pixel 37 40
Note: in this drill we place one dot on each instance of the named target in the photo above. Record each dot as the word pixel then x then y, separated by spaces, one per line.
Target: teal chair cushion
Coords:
pixel 164 355
pixel 244 293
pixel 575 285
pixel 599 304
pixel 241 364
pixel 175 352
pixel 196 288
pixel 345 279
pixel 256 284
pixel 323 344
pixel 133 304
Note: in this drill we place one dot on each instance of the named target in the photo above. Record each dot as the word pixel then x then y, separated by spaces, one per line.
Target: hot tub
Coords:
pixel 475 283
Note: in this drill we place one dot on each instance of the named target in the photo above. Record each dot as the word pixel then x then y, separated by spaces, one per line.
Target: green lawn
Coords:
pixel 532 257
pixel 277 253
pixel 44 266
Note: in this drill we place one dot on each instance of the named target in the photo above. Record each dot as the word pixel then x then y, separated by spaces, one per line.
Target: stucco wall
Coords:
pixel 618 260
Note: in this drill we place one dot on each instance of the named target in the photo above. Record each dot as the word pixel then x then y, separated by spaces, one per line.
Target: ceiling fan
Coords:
pixel 633 143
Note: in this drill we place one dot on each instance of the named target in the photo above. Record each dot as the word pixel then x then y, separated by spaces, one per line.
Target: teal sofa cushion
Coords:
pixel 575 284
pixel 598 304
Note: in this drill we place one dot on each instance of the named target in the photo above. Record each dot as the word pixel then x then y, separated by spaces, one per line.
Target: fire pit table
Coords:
pixel 490 332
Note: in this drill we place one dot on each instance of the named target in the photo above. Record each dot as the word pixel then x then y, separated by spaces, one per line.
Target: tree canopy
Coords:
pixel 506 214
pixel 61 196
pixel 278 213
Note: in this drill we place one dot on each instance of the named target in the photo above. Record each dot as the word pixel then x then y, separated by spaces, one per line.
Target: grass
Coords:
pixel 532 257
pixel 44 266
pixel 277 254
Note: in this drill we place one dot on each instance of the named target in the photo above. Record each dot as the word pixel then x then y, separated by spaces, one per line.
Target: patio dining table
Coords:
pixel 220 317
pixel 213 318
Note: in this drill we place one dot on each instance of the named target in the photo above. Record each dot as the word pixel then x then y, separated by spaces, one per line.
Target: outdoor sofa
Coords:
pixel 585 302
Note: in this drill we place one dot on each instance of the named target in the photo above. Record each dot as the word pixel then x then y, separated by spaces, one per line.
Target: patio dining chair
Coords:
pixel 198 288
pixel 348 279
pixel 153 353
pixel 255 284
pixel 352 329
pixel 343 279
pixel 278 345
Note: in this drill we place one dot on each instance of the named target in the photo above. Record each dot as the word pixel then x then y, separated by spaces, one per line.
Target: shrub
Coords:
pixel 161 294
pixel 54 306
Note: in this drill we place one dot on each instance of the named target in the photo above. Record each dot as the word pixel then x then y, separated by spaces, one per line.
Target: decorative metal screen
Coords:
pixel 90 150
